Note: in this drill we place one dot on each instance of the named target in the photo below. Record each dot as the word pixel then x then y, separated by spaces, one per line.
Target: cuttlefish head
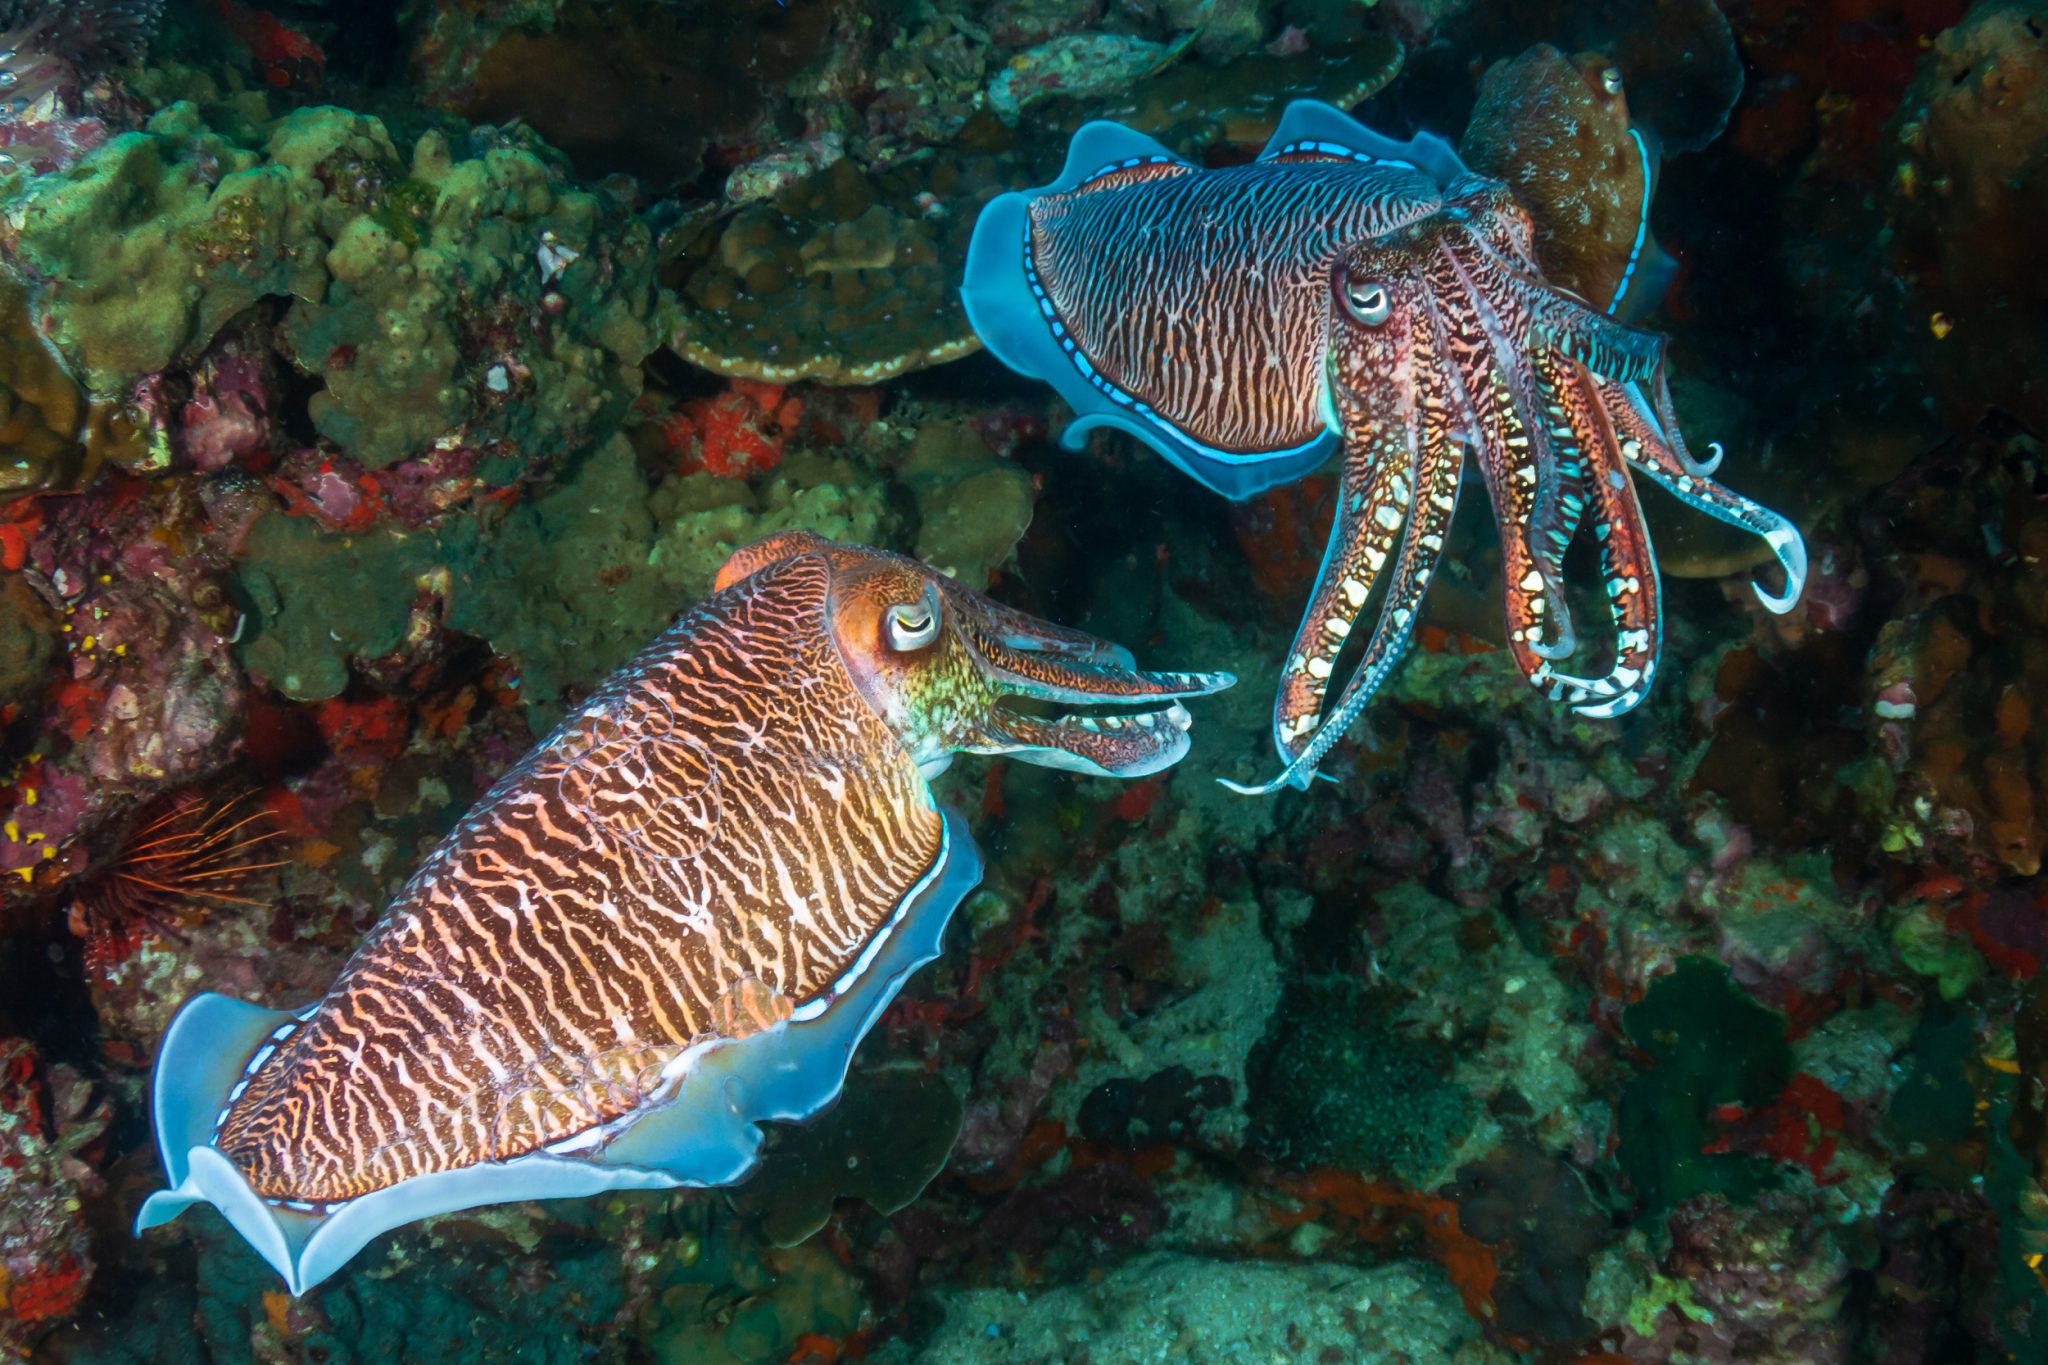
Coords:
pixel 950 671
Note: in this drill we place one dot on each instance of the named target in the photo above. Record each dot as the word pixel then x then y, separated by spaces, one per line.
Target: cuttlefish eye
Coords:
pixel 1610 80
pixel 1369 303
pixel 911 625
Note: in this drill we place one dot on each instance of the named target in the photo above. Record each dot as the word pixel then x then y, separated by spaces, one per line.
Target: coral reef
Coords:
pixel 375 379
pixel 1341 1087
pixel 1234 1310
pixel 430 294
pixel 51 1125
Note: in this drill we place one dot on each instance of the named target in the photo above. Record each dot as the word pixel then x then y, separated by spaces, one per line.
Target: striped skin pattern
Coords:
pixel 1251 307
pixel 578 930
pixel 704 849
pixel 1215 318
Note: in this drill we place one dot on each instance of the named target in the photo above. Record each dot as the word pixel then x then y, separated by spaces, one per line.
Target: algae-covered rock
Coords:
pixel 845 276
pixel 1171 1307
pixel 438 300
pixel 973 506
pixel 317 599
pixel 1341 1086
pixel 890 1133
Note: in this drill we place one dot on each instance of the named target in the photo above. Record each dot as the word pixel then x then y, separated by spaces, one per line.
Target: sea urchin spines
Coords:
pixel 187 852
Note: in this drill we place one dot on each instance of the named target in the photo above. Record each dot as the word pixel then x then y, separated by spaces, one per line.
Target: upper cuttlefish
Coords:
pixel 1345 290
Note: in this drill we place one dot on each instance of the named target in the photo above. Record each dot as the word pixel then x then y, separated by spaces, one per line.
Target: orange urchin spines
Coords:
pixel 188 852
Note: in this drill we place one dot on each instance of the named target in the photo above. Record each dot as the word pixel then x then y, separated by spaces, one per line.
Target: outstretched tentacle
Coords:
pixel 1440 467
pixel 1647 445
pixel 1628 566
pixel 1665 414
pixel 1379 421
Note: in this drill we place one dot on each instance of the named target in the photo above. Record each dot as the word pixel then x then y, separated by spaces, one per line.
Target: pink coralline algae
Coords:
pixel 228 417
pixel 149 696
pixel 51 112
pixel 49 1123
pixel 1768 1282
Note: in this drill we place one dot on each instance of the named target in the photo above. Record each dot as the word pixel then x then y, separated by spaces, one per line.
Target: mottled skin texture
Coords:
pixel 1556 130
pixel 707 845
pixel 1249 307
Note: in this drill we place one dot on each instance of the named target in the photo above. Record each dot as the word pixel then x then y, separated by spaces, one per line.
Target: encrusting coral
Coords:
pixel 431 296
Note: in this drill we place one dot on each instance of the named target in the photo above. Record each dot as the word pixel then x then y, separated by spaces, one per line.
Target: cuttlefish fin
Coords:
pixel 704 1131
pixel 206 1054
pixel 1647 274
pixel 1311 129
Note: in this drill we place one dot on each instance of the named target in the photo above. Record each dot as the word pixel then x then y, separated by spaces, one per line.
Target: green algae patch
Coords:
pixel 1339 1085
pixel 577 579
pixel 316 599
pixel 890 1133
pixel 1709 1045
pixel 480 301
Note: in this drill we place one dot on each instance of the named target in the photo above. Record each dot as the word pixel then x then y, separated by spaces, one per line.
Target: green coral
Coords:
pixel 1340 1086
pixel 972 505
pixel 316 599
pixel 156 240
pixel 1709 1045
pixel 574 581
pixel 566 587
pixel 438 300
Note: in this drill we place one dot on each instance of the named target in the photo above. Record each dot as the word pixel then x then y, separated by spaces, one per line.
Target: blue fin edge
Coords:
pixel 1312 121
pixel 706 1134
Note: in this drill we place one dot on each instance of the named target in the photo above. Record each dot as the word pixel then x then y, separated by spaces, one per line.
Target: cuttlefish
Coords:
pixel 1353 295
pixel 672 921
